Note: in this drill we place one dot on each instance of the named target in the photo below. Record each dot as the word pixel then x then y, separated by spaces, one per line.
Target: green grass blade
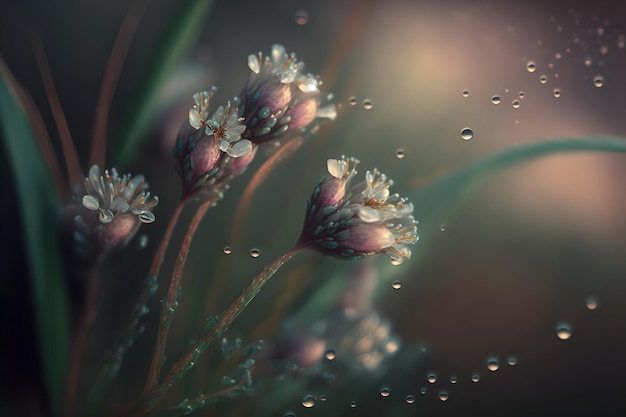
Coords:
pixel 183 29
pixel 39 208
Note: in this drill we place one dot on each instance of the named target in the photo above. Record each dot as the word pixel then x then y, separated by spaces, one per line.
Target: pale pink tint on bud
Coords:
pixel 369 238
pixel 239 165
pixel 119 230
pixel 332 191
pixel 274 95
pixel 302 114
pixel 204 157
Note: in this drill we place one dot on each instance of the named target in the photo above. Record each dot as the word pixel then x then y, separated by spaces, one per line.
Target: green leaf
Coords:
pixel 183 29
pixel 435 201
pixel 39 208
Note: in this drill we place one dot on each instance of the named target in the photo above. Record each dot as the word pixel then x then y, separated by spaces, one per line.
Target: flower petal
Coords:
pixel 239 148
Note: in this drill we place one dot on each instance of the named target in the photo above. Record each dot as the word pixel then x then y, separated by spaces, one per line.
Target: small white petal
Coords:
pixel 224 145
pixel 90 202
pixel 105 216
pixel 240 148
pixel 327 112
pixel 194 119
pixel 336 168
pixel 370 215
pixel 146 217
pixel 254 64
pixel 278 54
pixel 308 85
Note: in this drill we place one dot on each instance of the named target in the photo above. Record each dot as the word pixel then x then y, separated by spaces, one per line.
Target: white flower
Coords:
pixel 112 194
pixel 198 114
pixel 226 128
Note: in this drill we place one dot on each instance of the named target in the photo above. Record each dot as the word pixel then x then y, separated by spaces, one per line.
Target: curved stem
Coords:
pixel 167 310
pixel 187 361
pixel 111 76
pixel 67 145
pixel 159 255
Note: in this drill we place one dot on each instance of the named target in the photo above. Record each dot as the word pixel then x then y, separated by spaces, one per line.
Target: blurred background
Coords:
pixel 519 286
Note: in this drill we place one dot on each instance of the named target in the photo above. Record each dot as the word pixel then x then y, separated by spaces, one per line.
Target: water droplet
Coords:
pixel 368 104
pixel 143 241
pixel 255 253
pixel 557 55
pixel 400 153
pixel 352 101
pixel 384 392
pixel 604 49
pixel 443 396
pixel 465 93
pixel 588 61
pixel 454 379
pixel 289 414
pixel 352 404
pixel 467 133
pixel 322 398
pixel 600 31
pixel 228 250
pixel 531 66
pixel 308 401
pixel 475 378
pixel 409 399
pixel 496 99
pixel 516 104
pixel 330 354
pixel 521 94
pixel 432 378
pixel 442 228
pixel 592 303
pixel 512 360
pixel 396 285
pixel 493 364
pixel 302 16
pixel 557 93
pixel 563 331
pixel 395 261
pixel 598 81
pixel 543 79
pixel 423 390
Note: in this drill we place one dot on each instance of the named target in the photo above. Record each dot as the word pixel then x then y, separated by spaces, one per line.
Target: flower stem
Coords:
pixel 187 361
pixel 167 311
pixel 78 344
pixel 111 74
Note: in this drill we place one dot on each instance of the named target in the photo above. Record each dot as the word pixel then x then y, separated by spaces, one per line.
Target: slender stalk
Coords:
pixel 67 145
pixel 187 361
pixel 78 345
pixel 167 310
pixel 122 42
pixel 159 255
pixel 39 127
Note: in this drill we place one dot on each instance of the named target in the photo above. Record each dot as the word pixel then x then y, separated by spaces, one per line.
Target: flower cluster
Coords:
pixel 277 100
pixel 351 222
pixel 279 97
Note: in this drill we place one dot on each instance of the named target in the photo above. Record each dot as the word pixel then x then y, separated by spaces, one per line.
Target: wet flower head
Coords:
pixel 112 195
pixel 351 222
pixel 279 97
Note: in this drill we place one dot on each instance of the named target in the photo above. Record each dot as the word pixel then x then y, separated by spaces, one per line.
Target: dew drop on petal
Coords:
pixel 308 401
pixel 557 93
pixel 465 93
pixel 385 392
pixel 563 331
pixel 143 241
pixel 400 153
pixel 302 17
pixel 512 360
pixel 396 285
pixel 531 66
pixel 432 378
pixel 592 303
pixel 493 364
pixel 330 354
pixel 255 253
pixel 443 396
pixel 467 133
pixel 410 399
pixel 475 378
pixel 228 250
pixel 496 99
pixel 516 104
pixel 352 101
pixel 598 81
pixel 368 104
